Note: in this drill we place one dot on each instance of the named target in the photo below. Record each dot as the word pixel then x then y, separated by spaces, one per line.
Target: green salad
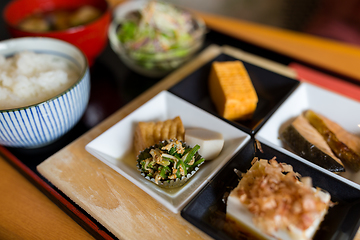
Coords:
pixel 168 161
pixel 158 32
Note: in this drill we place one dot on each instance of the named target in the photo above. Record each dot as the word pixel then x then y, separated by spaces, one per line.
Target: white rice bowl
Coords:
pixel 28 78
pixel 44 90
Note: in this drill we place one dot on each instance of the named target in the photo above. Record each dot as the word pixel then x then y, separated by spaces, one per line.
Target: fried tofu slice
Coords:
pixel 150 133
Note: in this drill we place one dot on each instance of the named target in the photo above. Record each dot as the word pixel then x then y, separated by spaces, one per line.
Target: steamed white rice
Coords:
pixel 28 78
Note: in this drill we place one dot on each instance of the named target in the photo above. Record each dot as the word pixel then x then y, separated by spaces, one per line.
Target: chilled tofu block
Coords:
pixel 269 204
pixel 210 142
pixel 232 91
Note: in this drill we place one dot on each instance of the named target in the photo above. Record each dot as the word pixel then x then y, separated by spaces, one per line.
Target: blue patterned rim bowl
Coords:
pixel 44 122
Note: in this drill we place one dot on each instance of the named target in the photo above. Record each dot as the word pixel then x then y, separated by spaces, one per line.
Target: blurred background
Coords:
pixel 333 19
pixel 337 20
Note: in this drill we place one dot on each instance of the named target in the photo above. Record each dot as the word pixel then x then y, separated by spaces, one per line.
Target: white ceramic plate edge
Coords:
pixel 233 146
pixel 259 135
pixel 133 180
pixel 303 160
pixel 161 199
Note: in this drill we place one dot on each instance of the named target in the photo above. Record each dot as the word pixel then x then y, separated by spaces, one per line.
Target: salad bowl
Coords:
pixel 145 51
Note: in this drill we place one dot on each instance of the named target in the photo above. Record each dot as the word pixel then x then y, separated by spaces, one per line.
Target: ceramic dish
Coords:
pixel 91 38
pixel 114 147
pixel 148 63
pixel 342 110
pixel 272 89
pixel 40 123
pixel 207 210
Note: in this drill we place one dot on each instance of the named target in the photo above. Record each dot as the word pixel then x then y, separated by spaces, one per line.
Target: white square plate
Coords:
pixel 114 146
pixel 342 110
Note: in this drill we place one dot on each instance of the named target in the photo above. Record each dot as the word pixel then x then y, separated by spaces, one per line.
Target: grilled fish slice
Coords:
pixel 308 143
pixel 338 139
pixel 350 140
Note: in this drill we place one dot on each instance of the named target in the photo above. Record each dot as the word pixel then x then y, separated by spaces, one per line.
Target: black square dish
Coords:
pixel 272 89
pixel 207 210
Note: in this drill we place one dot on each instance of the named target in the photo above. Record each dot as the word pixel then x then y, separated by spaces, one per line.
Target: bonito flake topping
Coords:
pixel 276 197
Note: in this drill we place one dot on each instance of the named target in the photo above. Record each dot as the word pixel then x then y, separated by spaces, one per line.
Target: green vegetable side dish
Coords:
pixel 170 163
pixel 159 36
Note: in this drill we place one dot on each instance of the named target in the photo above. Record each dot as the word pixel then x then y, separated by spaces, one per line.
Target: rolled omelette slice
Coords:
pixel 232 90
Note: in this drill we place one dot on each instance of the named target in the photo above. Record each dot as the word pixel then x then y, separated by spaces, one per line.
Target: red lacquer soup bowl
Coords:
pixel 91 37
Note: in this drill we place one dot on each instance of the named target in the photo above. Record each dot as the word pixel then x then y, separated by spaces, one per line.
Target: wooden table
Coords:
pixel 26 213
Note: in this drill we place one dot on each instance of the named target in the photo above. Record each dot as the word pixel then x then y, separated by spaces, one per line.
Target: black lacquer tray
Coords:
pixel 207 210
pixel 113 85
pixel 271 88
